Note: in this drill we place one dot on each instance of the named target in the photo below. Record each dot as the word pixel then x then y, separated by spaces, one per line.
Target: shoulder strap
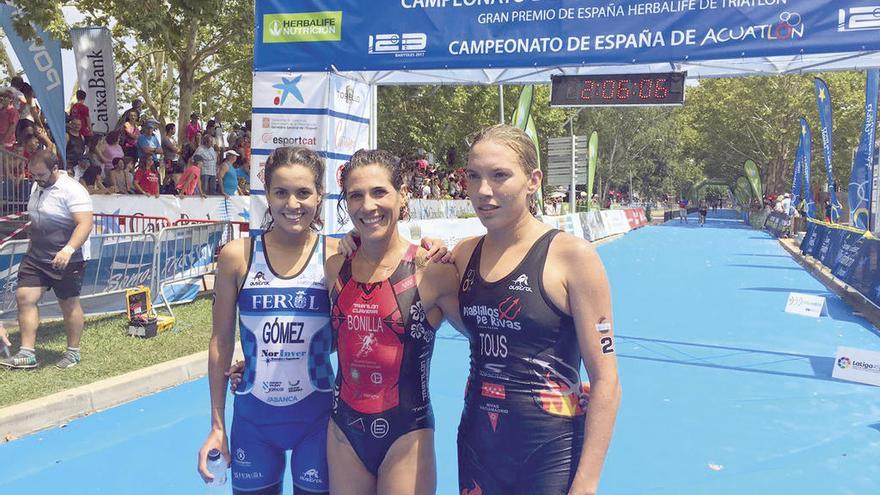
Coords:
pixel 537 255
pixel 474 262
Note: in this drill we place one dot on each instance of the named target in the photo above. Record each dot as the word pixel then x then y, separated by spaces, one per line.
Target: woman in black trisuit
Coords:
pixel 535 302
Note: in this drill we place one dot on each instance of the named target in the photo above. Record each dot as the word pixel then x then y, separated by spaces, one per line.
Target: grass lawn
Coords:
pixel 107 351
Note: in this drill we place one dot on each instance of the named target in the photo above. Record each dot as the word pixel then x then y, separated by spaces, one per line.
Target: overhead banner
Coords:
pixel 42 65
pixel 93 50
pixel 349 35
pixel 823 103
pixel 806 164
pixel 859 190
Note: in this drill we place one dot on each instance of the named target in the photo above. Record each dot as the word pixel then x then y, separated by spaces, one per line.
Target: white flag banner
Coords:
pixel 93 50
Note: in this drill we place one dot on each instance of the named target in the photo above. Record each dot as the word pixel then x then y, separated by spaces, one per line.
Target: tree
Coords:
pixel 194 34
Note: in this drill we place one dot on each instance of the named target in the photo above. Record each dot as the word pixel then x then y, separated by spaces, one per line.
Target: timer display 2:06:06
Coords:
pixel 627 89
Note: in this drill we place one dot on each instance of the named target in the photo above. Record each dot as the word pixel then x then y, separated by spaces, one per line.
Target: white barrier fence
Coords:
pixel 167 262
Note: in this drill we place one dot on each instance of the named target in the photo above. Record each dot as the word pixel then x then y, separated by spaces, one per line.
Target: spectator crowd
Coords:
pixel 140 156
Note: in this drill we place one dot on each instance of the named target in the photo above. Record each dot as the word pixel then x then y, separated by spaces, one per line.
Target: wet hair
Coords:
pixel 519 142
pixel 364 158
pixel 288 156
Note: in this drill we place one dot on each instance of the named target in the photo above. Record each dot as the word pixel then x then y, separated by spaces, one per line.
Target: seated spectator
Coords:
pixel 8 120
pixel 148 144
pixel 80 111
pixel 130 134
pixel 119 178
pixel 113 151
pixel 170 149
pixel 79 168
pixel 189 180
pixel 228 174
pixel 193 129
pixel 208 165
pixel 146 180
pixel 76 145
pixel 91 180
pixel 98 152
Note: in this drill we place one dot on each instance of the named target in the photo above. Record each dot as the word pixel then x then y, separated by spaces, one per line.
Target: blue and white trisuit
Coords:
pixel 285 396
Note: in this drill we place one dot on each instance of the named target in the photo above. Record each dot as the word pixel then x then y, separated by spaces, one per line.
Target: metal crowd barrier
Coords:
pixel 237 228
pixel 15 188
pixel 105 223
pixel 185 253
pixel 123 260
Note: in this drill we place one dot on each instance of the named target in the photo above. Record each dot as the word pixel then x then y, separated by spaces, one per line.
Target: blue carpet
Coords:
pixel 723 392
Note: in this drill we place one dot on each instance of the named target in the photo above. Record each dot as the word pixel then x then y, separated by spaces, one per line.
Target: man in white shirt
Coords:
pixel 60 211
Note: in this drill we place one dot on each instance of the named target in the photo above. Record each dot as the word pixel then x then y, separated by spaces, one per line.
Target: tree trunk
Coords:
pixel 187 88
pixel 6 62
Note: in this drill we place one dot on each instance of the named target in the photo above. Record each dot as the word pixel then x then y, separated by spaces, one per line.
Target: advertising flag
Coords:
pixel 742 191
pixel 592 161
pixel 823 102
pixel 806 147
pixel 754 179
pixel 859 189
pixel 42 65
pixel 93 50
pixel 796 183
pixel 522 119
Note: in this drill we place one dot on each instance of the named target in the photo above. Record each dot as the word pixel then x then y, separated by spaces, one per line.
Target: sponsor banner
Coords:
pixel 420 209
pixel 864 274
pixel 848 254
pixel 291 91
pixel 754 178
pixel 636 217
pixel 614 221
pixel 41 61
pixel 806 305
pixel 93 50
pixel 778 224
pixel 428 34
pixel 797 179
pixel 806 148
pixel 451 231
pixel 859 190
pixel 570 223
pixel 830 247
pixel 857 365
pixel 272 131
pixel 234 209
pixel 823 102
pixel 592 225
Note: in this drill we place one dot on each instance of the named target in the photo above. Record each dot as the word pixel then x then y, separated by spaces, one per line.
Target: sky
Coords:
pixel 71 15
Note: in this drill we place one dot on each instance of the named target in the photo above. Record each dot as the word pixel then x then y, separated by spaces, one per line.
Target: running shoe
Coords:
pixel 69 360
pixel 20 361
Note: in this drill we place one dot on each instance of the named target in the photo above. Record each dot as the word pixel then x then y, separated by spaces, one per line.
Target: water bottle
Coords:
pixel 217 468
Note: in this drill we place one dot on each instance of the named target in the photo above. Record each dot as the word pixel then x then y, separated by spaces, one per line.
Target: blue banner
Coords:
pixel 356 35
pixel 847 255
pixel 806 147
pixel 823 102
pixel 42 65
pixel 860 180
pixel 864 275
pixel 797 179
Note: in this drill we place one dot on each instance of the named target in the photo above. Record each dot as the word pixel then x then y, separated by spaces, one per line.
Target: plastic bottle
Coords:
pixel 217 467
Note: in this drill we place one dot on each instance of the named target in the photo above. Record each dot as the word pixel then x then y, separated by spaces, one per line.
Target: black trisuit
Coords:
pixel 522 427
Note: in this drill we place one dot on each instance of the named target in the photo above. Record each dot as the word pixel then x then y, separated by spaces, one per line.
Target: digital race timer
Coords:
pixel 618 89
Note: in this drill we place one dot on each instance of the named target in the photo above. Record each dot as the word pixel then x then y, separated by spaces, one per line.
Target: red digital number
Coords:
pixel 661 90
pixel 623 89
pixel 645 88
pixel 608 89
pixel 587 92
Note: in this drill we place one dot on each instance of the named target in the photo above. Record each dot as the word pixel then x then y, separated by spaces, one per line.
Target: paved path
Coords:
pixel 724 393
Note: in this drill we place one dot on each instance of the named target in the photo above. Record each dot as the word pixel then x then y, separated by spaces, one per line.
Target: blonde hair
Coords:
pixel 513 138
pixel 522 146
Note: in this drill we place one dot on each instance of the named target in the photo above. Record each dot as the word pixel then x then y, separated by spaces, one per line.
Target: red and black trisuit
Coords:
pixel 384 349
pixel 522 427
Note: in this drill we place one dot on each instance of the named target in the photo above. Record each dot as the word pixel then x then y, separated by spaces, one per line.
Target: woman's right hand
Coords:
pixel 216 440
pixel 234 374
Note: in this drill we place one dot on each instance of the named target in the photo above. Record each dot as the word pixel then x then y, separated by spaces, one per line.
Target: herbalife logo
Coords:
pixel 299 28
